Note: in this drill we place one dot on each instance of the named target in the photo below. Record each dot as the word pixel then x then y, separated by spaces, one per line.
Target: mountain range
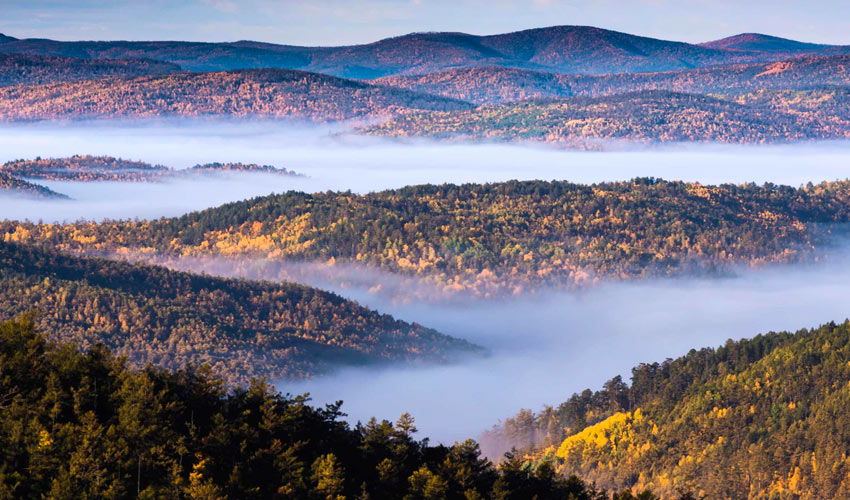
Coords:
pixel 562 49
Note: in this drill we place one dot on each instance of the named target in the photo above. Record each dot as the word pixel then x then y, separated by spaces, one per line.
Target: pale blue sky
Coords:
pixel 336 22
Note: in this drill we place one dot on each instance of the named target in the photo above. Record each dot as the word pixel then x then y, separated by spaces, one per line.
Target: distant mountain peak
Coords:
pixel 6 38
pixel 763 43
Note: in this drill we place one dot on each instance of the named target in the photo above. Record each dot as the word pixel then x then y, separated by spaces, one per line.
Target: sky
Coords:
pixel 342 22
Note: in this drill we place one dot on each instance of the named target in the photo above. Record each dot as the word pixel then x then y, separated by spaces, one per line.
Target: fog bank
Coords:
pixel 546 347
pixel 335 161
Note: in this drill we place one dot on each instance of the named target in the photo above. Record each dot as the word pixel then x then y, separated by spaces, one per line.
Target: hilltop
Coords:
pixel 764 43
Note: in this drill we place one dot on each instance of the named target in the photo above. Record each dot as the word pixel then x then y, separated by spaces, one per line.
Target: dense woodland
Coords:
pixel 755 419
pixel 82 425
pixel 107 168
pixel 241 329
pixel 494 238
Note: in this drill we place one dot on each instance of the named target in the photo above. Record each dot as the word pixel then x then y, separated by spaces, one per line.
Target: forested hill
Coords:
pixel 756 419
pixel 76 425
pixel 271 93
pixel 495 238
pixel 650 116
pixel 242 329
pixel 564 49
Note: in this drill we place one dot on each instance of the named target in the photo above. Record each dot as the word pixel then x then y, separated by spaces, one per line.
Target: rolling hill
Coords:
pixel 755 419
pixel 24 69
pixel 564 49
pixel 242 329
pixel 274 93
pixel 492 239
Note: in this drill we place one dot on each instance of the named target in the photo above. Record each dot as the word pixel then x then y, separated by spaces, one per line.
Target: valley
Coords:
pixel 559 262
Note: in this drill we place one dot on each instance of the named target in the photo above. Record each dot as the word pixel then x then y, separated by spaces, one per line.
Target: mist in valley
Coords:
pixel 543 346
pixel 546 346
pixel 332 158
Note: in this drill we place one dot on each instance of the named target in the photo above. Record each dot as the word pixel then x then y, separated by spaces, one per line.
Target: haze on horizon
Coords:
pixel 339 22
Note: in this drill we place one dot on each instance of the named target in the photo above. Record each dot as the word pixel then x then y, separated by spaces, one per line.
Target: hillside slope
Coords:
pixel 756 419
pixel 242 329
pixel 266 92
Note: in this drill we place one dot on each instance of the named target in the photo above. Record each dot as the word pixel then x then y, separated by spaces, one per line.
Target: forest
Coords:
pixel 492 239
pixel 240 329
pixel 754 419
pixel 84 425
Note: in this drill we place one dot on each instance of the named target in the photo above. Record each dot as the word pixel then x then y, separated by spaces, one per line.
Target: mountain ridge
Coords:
pixel 565 49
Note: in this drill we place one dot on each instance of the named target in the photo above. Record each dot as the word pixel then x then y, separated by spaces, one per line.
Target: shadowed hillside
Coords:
pixel 22 69
pixel 242 329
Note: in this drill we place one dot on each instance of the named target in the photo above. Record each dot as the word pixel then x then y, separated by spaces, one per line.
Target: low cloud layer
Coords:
pixel 333 160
